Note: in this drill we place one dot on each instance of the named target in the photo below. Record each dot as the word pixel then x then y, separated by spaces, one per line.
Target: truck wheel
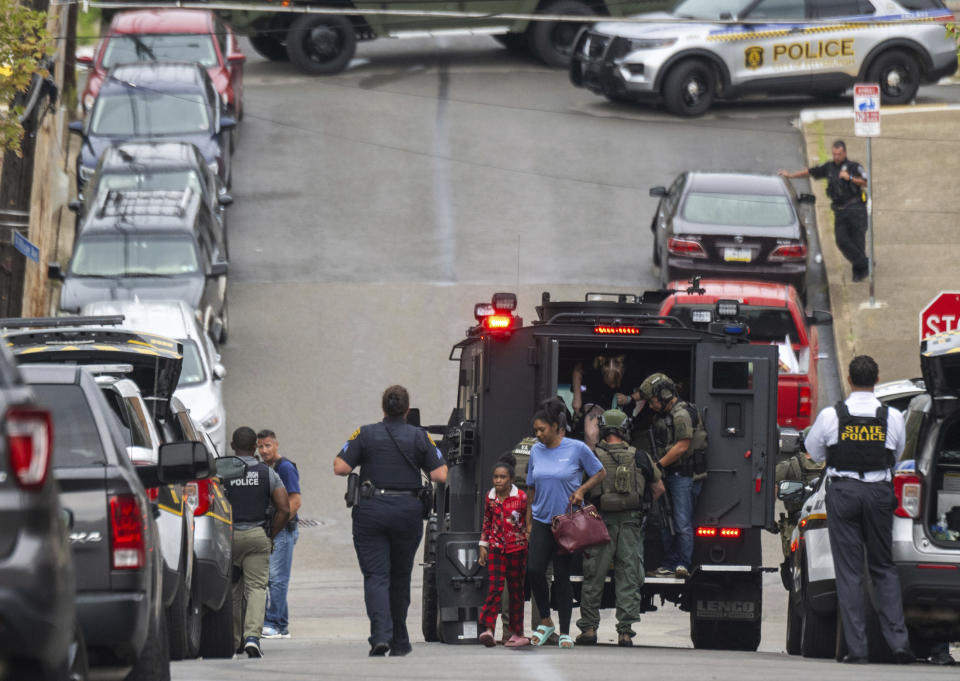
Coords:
pixel 818 634
pixel 269 46
pixel 216 638
pixel 794 626
pixel 552 41
pixel 321 44
pixel 515 42
pixel 154 661
pixel 689 88
pixel 430 609
pixel 898 74
pixel 183 625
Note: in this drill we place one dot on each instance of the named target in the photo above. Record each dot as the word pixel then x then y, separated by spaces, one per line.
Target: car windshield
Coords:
pixel 738 210
pixel 191 372
pixel 163 180
pixel 129 49
pixel 764 324
pixel 76 441
pixel 149 113
pixel 710 9
pixel 134 254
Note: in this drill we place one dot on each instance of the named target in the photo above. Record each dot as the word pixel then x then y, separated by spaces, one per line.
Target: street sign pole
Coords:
pixel 873 300
pixel 866 123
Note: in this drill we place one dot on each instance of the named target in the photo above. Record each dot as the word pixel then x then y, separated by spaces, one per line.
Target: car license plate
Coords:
pixel 737 255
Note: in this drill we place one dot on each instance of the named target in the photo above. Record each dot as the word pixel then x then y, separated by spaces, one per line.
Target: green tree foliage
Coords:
pixel 23 42
pixel 953 30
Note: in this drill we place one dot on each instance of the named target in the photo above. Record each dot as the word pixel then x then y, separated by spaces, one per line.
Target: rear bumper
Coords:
pixel 931 601
pixel 118 621
pixel 794 274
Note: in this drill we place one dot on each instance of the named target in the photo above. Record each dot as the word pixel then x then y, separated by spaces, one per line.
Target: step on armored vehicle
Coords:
pixel 507 368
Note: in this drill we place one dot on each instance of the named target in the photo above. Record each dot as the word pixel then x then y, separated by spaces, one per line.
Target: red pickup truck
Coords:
pixel 773 313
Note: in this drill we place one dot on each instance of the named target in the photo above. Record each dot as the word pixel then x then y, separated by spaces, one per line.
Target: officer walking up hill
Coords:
pixel 620 499
pixel 846 181
pixel 860 439
pixel 388 521
pixel 254 528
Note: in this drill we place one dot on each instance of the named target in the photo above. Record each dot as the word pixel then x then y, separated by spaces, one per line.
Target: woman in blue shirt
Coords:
pixel 555 476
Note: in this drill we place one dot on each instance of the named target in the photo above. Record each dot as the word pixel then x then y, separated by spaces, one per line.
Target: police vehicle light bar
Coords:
pixel 728 308
pixel 721 532
pixel 607 330
pixel 504 302
pixel 498 322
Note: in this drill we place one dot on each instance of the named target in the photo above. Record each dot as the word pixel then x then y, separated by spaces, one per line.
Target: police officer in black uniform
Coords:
pixel 388 520
pixel 260 511
pixel 846 183
pixel 860 440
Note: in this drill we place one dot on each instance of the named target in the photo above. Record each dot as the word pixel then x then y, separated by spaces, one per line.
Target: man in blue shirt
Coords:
pixel 276 622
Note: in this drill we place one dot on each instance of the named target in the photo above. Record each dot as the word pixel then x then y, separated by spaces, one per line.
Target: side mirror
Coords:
pixel 791 491
pixel 819 317
pixel 231 468
pixel 219 371
pixel 224 199
pixel 807 198
pixel 85 60
pixel 227 123
pixel 75 205
pixel 237 58
pixel 790 441
pixel 183 462
pixel 658 191
pixel 54 271
pixel 219 269
pixel 75 127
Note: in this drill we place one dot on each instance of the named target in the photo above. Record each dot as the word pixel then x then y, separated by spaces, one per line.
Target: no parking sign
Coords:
pixel 866 110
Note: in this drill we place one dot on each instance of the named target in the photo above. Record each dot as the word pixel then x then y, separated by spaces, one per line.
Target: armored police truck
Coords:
pixel 507 368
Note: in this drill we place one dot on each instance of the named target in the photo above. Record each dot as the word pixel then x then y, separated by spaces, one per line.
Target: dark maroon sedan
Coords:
pixel 730 226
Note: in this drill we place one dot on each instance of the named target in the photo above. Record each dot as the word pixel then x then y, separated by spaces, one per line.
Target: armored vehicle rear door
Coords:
pixel 736 391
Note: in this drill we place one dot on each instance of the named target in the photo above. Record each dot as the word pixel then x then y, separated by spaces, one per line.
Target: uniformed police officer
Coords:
pixel 620 499
pixel 860 439
pixel 678 438
pixel 254 527
pixel 846 181
pixel 388 521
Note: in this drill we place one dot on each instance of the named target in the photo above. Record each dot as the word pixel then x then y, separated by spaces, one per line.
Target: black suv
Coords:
pixel 150 245
pixel 38 635
pixel 116 545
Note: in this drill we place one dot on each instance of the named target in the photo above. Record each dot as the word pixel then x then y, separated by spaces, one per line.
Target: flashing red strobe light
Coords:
pixel 605 330
pixel 498 322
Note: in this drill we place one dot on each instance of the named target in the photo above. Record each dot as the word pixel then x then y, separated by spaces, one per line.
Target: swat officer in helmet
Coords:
pixel 802 468
pixel 860 439
pixel 260 512
pixel 622 499
pixel 680 441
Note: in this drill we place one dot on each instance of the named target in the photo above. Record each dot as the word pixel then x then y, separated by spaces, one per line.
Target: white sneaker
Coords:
pixel 682 572
pixel 270 632
pixel 285 634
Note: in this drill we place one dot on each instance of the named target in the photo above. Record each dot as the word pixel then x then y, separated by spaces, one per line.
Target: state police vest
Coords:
pixel 250 495
pixel 622 488
pixel 861 442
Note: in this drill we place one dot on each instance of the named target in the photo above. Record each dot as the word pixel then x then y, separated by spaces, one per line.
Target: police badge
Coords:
pixel 754 57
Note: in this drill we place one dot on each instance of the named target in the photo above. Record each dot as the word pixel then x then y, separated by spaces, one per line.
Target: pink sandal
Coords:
pixel 517 642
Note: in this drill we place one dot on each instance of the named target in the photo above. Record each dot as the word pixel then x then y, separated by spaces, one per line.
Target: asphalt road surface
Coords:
pixel 373 209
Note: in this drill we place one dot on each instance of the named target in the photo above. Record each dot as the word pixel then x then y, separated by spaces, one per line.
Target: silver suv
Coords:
pixel 722 49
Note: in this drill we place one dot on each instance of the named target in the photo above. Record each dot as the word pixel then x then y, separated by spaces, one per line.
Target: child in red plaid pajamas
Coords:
pixel 503 545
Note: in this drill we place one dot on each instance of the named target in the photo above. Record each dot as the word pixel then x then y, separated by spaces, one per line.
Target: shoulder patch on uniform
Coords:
pixel 354 436
pixel 430 438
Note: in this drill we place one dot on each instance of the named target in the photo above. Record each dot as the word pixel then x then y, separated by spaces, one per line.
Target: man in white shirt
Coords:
pixel 860 439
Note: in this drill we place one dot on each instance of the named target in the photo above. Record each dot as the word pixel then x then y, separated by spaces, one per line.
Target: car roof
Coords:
pixel 733 183
pixel 165 76
pixel 143 210
pixel 162 21
pixel 173 318
pixel 151 154
pixel 752 293
pixel 65 374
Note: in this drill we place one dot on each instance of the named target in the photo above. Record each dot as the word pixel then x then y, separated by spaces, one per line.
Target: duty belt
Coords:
pixel 396 492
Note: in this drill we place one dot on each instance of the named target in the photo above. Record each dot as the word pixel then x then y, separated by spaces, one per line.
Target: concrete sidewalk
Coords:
pixel 916 163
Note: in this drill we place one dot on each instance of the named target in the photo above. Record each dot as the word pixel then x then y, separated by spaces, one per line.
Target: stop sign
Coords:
pixel 941 314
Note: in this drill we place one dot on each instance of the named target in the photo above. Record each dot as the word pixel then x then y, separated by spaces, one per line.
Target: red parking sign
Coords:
pixel 941 314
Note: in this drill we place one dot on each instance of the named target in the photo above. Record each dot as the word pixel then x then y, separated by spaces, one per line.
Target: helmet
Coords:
pixel 660 386
pixel 614 421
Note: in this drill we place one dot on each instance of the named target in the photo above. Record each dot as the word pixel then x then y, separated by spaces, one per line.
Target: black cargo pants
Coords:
pixel 860 518
pixel 850 232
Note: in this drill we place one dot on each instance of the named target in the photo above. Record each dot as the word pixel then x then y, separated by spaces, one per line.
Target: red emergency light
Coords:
pixel 498 322
pixel 605 330
pixel 722 532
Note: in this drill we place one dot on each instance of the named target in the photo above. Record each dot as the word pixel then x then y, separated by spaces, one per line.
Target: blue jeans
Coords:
pixel 281 561
pixel 678 547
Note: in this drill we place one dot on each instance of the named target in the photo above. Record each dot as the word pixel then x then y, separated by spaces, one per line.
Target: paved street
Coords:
pixel 373 209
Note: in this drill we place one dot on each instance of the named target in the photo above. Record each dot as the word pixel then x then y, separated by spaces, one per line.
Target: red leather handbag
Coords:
pixel 580 529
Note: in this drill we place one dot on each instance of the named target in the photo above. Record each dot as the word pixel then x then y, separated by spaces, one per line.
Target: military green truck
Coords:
pixel 507 368
pixel 317 39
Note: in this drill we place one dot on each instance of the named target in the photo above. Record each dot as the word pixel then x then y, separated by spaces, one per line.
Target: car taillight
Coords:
pixel 804 400
pixel 789 252
pixel 686 247
pixel 29 442
pixel 127 527
pixel 202 491
pixel 153 493
pixel 907 488
pixel 724 532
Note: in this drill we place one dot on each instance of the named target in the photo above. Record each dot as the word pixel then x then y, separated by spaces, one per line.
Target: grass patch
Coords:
pixel 88 27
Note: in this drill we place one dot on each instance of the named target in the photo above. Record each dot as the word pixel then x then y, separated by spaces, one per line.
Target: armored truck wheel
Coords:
pixel 429 601
pixel 689 88
pixel 321 44
pixel 269 46
pixel 515 42
pixel 552 41
pixel 898 73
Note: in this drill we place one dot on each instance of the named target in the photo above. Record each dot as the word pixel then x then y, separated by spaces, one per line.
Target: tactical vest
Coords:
pixel 694 460
pixel 522 454
pixel 843 192
pixel 861 442
pixel 798 467
pixel 622 488
pixel 250 495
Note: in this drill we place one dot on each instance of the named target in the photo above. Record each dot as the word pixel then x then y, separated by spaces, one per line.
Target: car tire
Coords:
pixel 225 322
pixel 552 41
pixel 898 73
pixel 794 625
pixel 216 640
pixel 76 665
pixel 818 633
pixel 321 44
pixel 154 661
pixel 184 625
pixel 514 42
pixel 655 250
pixel 689 88
pixel 269 46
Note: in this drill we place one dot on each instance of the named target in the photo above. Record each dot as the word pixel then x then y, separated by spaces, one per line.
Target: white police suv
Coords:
pixel 721 49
